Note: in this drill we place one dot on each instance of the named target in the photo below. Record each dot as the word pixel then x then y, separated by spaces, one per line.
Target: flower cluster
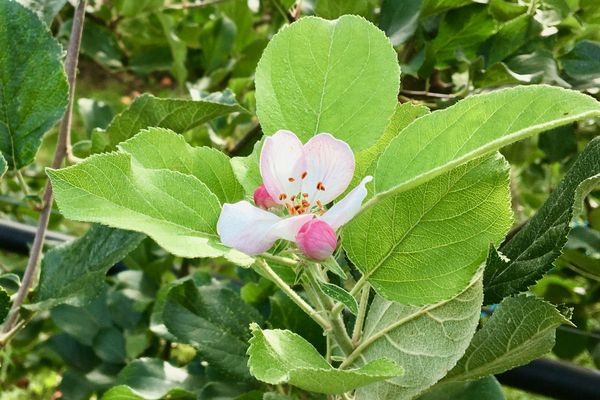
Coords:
pixel 299 181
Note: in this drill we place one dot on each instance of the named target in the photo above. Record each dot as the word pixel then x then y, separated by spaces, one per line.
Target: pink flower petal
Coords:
pixel 281 165
pixel 252 230
pixel 316 239
pixel 330 166
pixel 345 209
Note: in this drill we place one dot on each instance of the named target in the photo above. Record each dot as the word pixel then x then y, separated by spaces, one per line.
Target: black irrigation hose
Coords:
pixel 559 380
pixel 555 379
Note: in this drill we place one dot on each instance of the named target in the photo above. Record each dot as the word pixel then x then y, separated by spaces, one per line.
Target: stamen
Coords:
pixel 293 197
pixel 290 179
pixel 319 204
pixel 304 175
pixel 320 186
pixel 282 196
pixel 305 195
pixel 305 203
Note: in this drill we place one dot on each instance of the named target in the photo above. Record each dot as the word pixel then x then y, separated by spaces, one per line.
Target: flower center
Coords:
pixel 300 203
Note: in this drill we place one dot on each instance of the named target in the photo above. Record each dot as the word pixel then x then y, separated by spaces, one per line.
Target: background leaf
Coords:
pixel 399 19
pixel 278 356
pixel 520 330
pixel 486 388
pixel 418 247
pixel 340 77
pixel 74 273
pixel 425 341
pixel 529 254
pixel 45 9
pixel 215 321
pixel 33 86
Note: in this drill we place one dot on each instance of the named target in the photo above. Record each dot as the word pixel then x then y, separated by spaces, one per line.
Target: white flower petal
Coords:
pixel 282 164
pixel 345 209
pixel 329 162
pixel 253 230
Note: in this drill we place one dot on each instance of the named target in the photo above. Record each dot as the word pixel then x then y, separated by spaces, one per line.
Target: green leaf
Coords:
pixel 510 37
pixel 74 273
pixel 215 321
pixel 424 245
pixel 178 115
pixel 46 10
pixel 366 160
pixel 278 356
pixel 521 329
pixel 4 304
pixel 178 211
pixel 247 169
pixel 487 388
pixel 151 378
pixel 462 30
pixel 477 125
pixel 332 9
pixel 33 86
pixel 109 345
pixel 529 254
pixel 158 148
pixel 538 66
pixel 432 7
pixel 583 62
pixel 426 341
pixel 3 166
pixel 340 77
pixel 177 46
pixel 121 392
pixel 339 294
pixel 399 19
pixel 83 323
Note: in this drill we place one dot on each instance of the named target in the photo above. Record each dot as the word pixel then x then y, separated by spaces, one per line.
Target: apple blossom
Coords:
pixel 299 182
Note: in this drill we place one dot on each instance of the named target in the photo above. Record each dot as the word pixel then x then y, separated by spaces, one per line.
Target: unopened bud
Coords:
pixel 317 239
pixel 263 199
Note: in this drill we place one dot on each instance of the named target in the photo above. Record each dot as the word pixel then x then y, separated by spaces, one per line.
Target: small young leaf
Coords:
pixel 510 37
pixel 477 125
pixel 74 272
pixel 424 245
pixel 278 356
pixel 158 148
pixel 215 321
pixel 399 19
pixel 3 166
pixel 529 254
pixel 178 115
pixel 521 329
pixel 339 294
pixel 247 171
pixel 120 392
pixel 426 341
pixel 340 77
pixel 33 86
pixel 583 62
pixel 4 304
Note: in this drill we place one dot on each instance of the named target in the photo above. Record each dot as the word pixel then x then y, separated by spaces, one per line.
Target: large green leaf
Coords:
pixel 33 86
pixel 278 356
pixel 425 341
pixel 424 245
pixel 487 388
pixel 340 77
pixel 151 378
pixel 366 160
pixel 215 321
pixel 74 272
pixel 158 148
pixel 520 330
pixel 475 126
pixel 178 115
pixel 529 254
pixel 178 211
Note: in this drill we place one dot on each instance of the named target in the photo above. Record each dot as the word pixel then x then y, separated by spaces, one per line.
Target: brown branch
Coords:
pixel 62 146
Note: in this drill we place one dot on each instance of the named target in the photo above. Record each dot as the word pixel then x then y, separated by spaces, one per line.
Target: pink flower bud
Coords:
pixel 316 239
pixel 263 199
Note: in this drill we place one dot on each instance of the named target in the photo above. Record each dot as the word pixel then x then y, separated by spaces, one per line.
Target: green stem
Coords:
pixel 307 308
pixel 338 328
pixel 362 313
pixel 22 183
pixel 288 262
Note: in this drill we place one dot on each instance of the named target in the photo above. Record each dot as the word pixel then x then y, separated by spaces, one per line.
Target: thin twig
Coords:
pixel 59 156
pixel 428 94
pixel 362 313
pixel 195 4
